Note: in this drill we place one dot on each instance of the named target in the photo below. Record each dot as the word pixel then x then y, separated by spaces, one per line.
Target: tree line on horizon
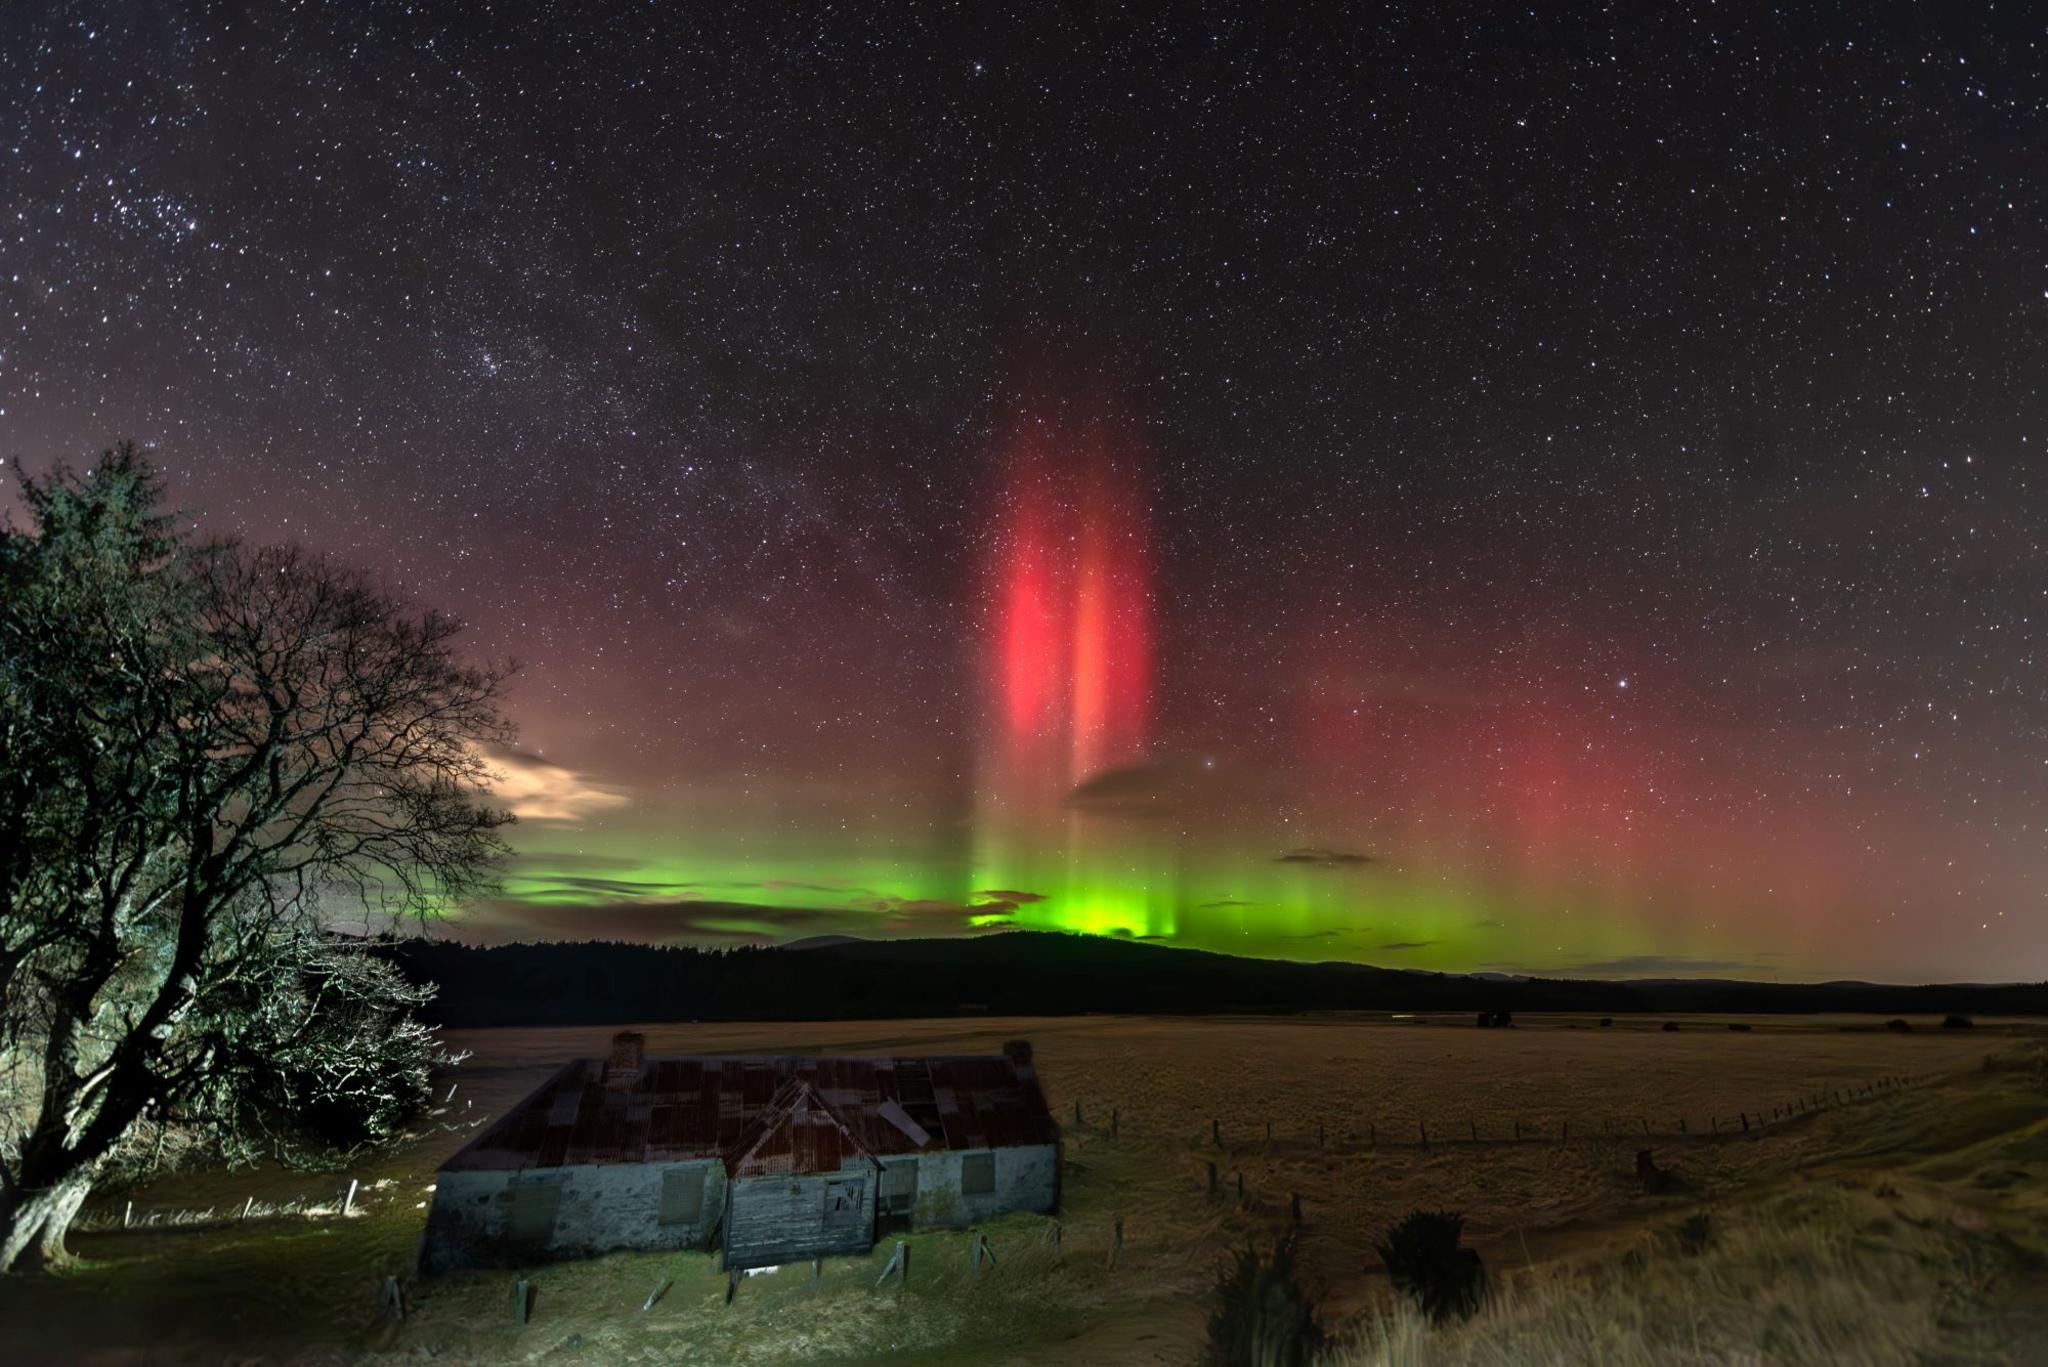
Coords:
pixel 1049 973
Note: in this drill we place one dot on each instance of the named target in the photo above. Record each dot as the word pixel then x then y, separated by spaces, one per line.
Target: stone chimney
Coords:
pixel 629 1051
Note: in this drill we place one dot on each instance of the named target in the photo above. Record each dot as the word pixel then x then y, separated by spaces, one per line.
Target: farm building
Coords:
pixel 768 1159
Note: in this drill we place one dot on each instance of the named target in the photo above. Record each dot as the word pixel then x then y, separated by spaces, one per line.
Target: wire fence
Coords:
pixel 1471 1131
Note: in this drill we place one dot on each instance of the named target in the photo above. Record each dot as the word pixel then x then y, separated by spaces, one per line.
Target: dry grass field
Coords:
pixel 1907 1174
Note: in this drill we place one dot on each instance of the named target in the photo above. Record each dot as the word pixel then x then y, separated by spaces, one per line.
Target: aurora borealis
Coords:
pixel 1444 490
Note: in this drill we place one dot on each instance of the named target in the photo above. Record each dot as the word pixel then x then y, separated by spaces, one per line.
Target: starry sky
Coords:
pixel 1445 488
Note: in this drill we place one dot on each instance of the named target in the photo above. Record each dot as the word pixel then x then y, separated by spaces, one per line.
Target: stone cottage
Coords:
pixel 770 1159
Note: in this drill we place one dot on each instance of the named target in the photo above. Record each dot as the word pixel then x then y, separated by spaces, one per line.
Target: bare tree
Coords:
pixel 209 757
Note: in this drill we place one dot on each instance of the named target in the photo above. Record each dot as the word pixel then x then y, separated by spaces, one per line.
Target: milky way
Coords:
pixel 1445 489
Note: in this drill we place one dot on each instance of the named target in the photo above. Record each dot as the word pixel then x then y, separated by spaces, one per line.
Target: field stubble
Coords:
pixel 305 1288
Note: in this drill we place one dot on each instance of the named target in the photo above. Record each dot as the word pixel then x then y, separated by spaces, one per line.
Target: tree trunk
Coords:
pixel 34 1221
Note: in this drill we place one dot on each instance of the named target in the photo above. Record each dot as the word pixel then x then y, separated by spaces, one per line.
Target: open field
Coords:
pixel 1349 1100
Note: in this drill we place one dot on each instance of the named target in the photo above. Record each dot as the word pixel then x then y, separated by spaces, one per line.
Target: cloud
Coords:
pixel 1155 788
pixel 671 922
pixel 1410 944
pixel 538 789
pixel 1014 898
pixel 1315 857
pixel 706 920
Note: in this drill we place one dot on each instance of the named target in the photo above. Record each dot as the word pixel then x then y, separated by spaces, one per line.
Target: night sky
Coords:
pixel 1471 492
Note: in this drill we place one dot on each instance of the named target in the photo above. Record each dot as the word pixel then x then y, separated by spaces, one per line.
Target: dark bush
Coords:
pixel 1899 1027
pixel 1694 1231
pixel 1742 1026
pixel 1488 1019
pixel 1670 1025
pixel 1425 1262
pixel 1607 1020
pixel 1264 1317
pixel 1956 1023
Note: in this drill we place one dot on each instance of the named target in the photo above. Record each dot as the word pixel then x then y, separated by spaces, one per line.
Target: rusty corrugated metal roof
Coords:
pixel 675 1109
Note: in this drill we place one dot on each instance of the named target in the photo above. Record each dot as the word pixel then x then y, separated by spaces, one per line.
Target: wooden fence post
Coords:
pixel 348 1202
pixel 520 1300
pixel 1116 1242
pixel 1077 1114
pixel 1240 1186
pixel 1114 1116
pixel 393 1298
pixel 1564 1131
pixel 1294 1207
pixel 1474 1125
pixel 1422 1130
pixel 898 1266
pixel 655 1294
pixel 1216 1133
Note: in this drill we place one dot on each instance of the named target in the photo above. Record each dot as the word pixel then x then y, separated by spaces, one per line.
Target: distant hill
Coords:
pixel 1036 973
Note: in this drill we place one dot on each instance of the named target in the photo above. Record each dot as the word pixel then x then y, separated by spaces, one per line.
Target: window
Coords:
pixel 531 1223
pixel 843 1202
pixel 978 1174
pixel 899 1187
pixel 682 1196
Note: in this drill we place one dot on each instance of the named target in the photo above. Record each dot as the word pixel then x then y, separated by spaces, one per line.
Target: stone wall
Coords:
pixel 475 1220
pixel 1025 1179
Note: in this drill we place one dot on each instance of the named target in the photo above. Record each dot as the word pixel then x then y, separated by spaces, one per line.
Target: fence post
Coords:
pixel 1116 1242
pixel 1319 1134
pixel 1745 1121
pixel 1374 1127
pixel 1681 1124
pixel 1564 1131
pixel 1294 1207
pixel 899 1265
pixel 1077 1114
pixel 1114 1116
pixel 519 1299
pixel 1646 1126
pixel 1240 1186
pixel 1216 1133
pixel 348 1202
pixel 1422 1130
pixel 655 1294
pixel 394 1297
pixel 1474 1126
